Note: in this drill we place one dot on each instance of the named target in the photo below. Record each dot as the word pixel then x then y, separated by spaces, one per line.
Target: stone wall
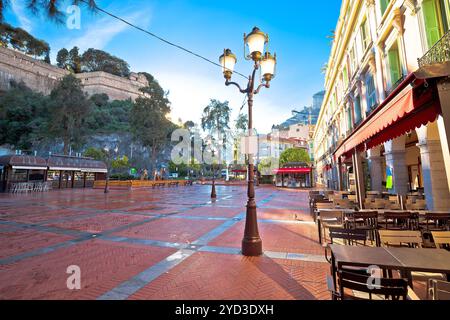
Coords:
pixel 42 77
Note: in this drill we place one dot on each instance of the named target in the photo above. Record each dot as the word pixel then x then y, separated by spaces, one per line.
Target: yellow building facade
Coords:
pixel 385 121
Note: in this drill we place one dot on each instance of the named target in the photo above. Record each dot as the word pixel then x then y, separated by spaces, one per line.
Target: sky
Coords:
pixel 298 33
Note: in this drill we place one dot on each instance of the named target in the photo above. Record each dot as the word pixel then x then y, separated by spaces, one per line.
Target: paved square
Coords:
pixel 172 243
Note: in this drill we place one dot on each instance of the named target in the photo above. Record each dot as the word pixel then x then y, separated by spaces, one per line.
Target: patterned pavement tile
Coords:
pixel 294 238
pixel 15 242
pixel 103 266
pixel 172 230
pixel 99 223
pixel 240 278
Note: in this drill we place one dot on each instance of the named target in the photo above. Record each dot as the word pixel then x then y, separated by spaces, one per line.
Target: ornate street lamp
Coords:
pixel 256 42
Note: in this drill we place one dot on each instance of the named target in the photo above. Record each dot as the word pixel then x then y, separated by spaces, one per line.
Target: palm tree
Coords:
pixel 51 8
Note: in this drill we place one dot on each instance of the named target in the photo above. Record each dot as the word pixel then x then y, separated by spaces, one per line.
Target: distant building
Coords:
pixel 43 77
pixel 301 126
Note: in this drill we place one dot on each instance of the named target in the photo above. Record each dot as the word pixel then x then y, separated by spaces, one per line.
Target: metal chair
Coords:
pixel 368 288
pixel 438 290
pixel 441 239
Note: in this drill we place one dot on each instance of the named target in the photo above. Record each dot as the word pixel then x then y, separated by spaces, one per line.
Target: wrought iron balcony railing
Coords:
pixel 439 53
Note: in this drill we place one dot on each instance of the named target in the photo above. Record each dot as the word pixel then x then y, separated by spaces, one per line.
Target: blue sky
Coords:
pixel 298 33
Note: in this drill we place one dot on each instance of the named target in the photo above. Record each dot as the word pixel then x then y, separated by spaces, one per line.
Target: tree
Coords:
pixel 148 121
pixel 216 118
pixel 241 123
pixel 50 8
pixel 22 116
pixel 75 60
pixel 268 165
pixel 97 60
pixel 68 110
pixel 294 155
pixel 62 58
pixel 21 40
pixel 120 163
pixel 96 154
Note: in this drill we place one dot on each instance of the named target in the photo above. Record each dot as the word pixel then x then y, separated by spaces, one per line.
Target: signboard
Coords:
pixel 389 178
pixel 249 145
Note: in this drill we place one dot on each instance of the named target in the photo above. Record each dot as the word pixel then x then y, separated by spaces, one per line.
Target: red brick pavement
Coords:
pixel 99 223
pixel 293 238
pixel 171 230
pixel 13 243
pixel 104 265
pixel 240 278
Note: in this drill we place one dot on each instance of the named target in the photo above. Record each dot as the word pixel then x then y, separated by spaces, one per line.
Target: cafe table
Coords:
pixel 404 260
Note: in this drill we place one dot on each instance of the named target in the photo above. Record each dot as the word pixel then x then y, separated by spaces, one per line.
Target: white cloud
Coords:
pixel 190 94
pixel 100 33
pixel 18 8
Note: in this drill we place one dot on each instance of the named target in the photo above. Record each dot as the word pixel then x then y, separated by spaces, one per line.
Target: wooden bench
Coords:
pixel 174 184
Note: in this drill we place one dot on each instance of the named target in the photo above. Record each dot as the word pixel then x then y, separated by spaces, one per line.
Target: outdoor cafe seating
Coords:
pixel 408 243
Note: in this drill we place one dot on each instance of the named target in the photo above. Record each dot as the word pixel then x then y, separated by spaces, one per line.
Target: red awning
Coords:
pixel 292 170
pixel 404 110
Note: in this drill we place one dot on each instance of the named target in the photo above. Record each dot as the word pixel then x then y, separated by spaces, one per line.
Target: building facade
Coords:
pixel 386 112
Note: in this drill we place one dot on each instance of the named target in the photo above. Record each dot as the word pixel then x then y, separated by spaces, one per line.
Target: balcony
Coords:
pixel 439 53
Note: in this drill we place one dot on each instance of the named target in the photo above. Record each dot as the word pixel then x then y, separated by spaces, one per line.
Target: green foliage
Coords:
pixel 74 60
pixel 148 121
pixel 68 110
pixel 49 8
pixel 109 116
pixel 97 154
pixel 266 166
pixel 98 60
pixel 216 116
pixel 62 58
pixel 22 113
pixel 294 155
pixel 21 40
pixel 241 123
pixel 120 163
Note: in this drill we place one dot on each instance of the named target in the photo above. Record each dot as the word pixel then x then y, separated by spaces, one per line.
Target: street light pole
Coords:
pixel 213 190
pixel 256 41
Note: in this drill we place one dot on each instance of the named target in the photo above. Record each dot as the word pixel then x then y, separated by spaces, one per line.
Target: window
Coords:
pixel 352 60
pixel 395 70
pixel 345 78
pixel 445 12
pixel 349 119
pixel 357 107
pixel 384 4
pixel 365 34
pixel 430 15
pixel 371 94
pixel 436 15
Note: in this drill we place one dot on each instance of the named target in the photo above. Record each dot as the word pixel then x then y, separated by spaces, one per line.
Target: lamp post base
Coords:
pixel 213 191
pixel 252 243
pixel 252 247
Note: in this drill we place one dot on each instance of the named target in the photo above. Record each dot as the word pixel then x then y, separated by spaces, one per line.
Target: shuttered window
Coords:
pixel 371 94
pixel 384 4
pixel 394 66
pixel 431 19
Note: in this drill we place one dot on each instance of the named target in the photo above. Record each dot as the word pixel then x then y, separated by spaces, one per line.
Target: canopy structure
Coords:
pixel 292 170
pixel 412 104
pixel 62 163
pixel 23 162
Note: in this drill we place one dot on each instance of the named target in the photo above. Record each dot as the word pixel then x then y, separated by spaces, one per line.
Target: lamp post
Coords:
pixel 213 190
pixel 107 170
pixel 256 42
